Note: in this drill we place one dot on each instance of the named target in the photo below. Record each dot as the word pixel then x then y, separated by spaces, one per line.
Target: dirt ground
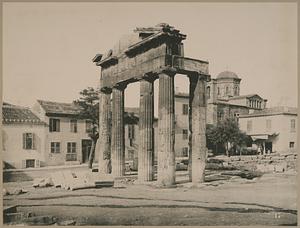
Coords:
pixel 267 200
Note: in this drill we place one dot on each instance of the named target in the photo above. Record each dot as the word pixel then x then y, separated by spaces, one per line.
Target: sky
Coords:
pixel 48 47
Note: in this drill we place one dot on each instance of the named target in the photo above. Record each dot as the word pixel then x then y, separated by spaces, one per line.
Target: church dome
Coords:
pixel 227 74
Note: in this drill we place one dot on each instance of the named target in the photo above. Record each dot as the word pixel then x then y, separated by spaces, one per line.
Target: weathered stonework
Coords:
pixel 117 137
pixel 198 127
pixel 146 131
pixel 166 130
pixel 155 52
pixel 104 131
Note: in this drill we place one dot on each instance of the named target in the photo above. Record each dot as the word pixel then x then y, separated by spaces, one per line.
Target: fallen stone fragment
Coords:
pixel 42 182
pixel 57 179
pixel 67 223
pixel 40 220
pixel 13 217
pixel 17 191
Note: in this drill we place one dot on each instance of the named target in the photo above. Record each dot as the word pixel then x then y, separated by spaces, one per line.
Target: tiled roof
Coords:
pixel 273 111
pixel 243 96
pixel 17 114
pixel 227 74
pixel 51 107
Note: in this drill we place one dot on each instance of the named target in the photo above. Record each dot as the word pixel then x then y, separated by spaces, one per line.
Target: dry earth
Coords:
pixel 267 200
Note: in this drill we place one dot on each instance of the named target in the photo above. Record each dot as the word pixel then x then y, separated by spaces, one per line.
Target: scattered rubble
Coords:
pixel 71 180
pixel 42 182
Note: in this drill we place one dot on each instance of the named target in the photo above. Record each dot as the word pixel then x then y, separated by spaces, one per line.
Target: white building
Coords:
pixel 23 141
pixel 273 129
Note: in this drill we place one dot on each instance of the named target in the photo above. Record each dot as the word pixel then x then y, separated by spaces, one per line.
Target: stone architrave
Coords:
pixel 104 131
pixel 146 131
pixel 166 130
pixel 117 132
pixel 198 127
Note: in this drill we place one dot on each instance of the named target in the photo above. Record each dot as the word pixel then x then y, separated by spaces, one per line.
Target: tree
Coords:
pixel 89 103
pixel 226 133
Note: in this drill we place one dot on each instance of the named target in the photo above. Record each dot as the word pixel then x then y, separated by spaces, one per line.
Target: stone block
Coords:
pixel 13 217
pixel 40 220
pixel 10 209
pixel 281 167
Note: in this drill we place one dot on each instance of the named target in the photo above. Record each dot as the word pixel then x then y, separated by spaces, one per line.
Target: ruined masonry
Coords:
pixel 144 56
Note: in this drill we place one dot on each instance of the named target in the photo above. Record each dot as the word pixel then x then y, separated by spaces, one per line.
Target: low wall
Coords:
pixel 251 161
pixel 16 175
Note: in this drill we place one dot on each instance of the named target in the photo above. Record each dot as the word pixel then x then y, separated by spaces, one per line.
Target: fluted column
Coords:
pixel 198 128
pixel 146 131
pixel 117 137
pixel 166 130
pixel 104 131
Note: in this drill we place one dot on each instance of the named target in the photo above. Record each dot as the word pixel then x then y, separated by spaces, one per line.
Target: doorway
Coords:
pixel 268 146
pixel 86 145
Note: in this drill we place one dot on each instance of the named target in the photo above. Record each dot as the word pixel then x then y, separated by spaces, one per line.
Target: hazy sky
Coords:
pixel 48 47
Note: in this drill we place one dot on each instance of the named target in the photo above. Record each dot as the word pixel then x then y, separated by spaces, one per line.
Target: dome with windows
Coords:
pixel 227 74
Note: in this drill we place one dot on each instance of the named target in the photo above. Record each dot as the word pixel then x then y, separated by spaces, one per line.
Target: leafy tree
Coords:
pixel 226 133
pixel 89 101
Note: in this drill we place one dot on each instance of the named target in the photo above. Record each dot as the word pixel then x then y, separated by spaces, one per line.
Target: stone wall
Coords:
pixel 265 163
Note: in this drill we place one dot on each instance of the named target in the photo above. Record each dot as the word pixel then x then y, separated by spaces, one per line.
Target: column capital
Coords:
pixel 150 77
pixel 171 71
pixel 120 86
pixel 199 76
pixel 106 90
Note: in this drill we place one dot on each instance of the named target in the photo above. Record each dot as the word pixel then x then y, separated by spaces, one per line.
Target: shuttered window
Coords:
pixel 184 134
pixel 73 126
pixel 54 125
pixel 28 141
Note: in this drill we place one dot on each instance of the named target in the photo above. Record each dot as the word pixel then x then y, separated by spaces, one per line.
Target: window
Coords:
pixel 30 163
pixel 292 144
pixel 218 91
pixel 185 151
pixel 208 92
pixel 293 125
pixel 71 147
pixel 54 125
pixel 88 126
pixel 227 90
pixel 73 126
pixel 131 132
pixel 235 91
pixel 249 125
pixel 184 134
pixel 55 147
pixel 185 109
pixel 71 152
pixel 28 141
pixel 268 125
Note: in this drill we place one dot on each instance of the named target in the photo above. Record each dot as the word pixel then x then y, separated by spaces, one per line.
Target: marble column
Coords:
pixel 104 131
pixel 198 126
pixel 146 131
pixel 117 137
pixel 166 130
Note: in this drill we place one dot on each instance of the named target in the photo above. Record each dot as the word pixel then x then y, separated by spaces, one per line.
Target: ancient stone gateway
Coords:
pixel 150 54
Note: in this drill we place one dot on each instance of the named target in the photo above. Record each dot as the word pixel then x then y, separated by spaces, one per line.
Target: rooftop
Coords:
pixel 227 74
pixel 17 114
pixel 273 111
pixel 58 108
pixel 244 96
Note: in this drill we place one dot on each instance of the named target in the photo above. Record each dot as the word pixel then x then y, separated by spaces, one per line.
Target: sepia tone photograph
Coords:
pixel 149 114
